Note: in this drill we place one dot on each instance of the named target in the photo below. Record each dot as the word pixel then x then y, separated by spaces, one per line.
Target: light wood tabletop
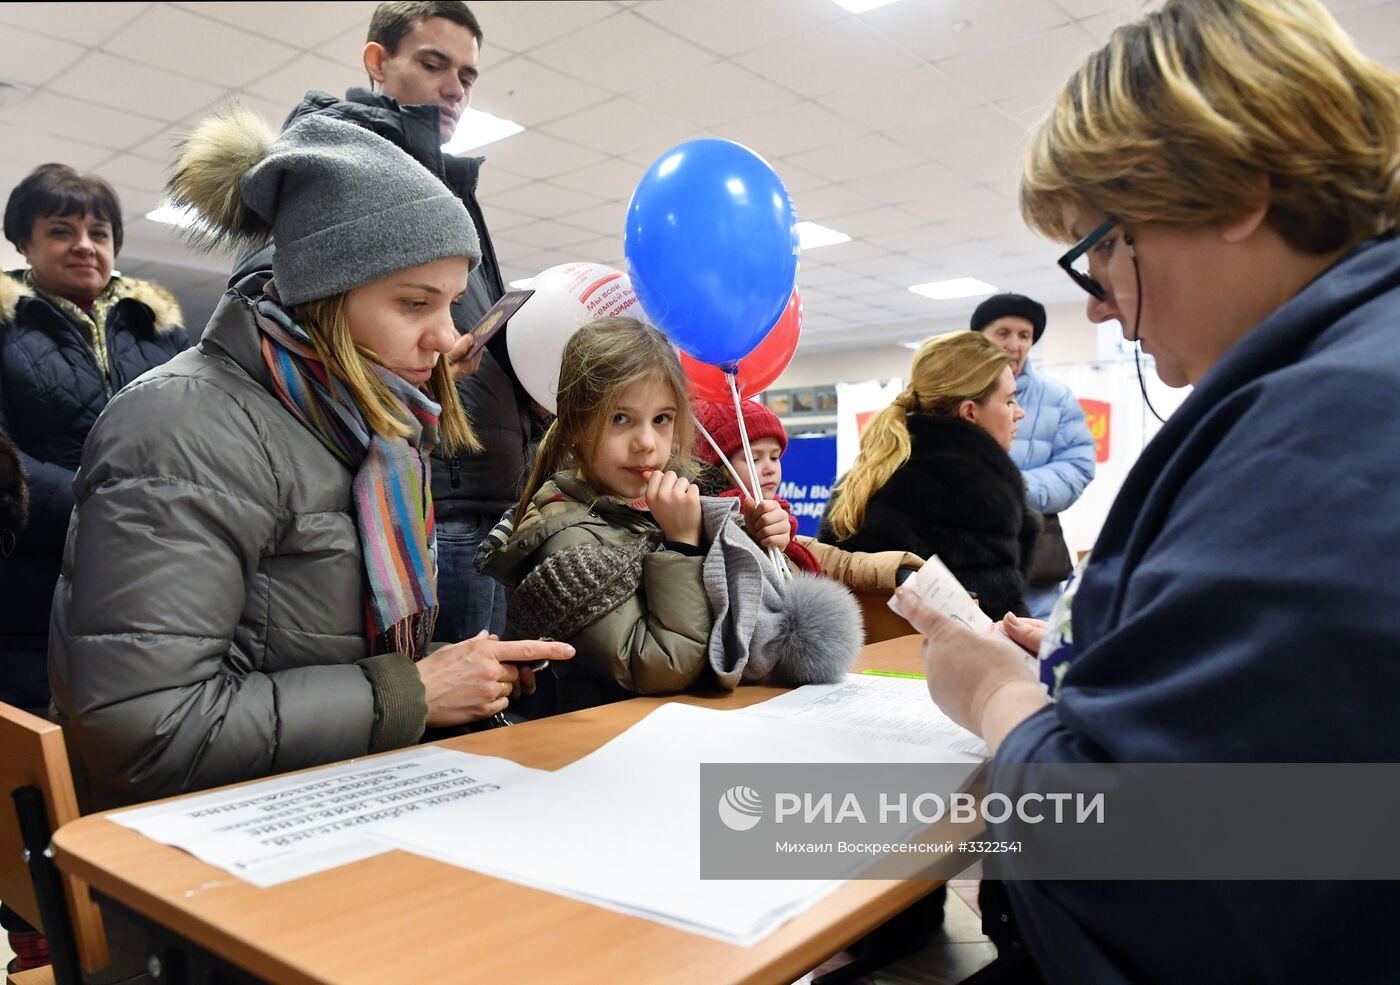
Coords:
pixel 399 917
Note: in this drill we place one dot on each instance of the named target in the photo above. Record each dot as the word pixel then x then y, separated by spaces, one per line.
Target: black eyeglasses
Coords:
pixel 1086 244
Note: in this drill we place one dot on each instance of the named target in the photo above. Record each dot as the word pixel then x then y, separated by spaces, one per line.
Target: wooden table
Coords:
pixel 399 917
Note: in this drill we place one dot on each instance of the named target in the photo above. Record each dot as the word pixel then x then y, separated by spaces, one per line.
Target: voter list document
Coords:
pixel 277 830
pixel 894 709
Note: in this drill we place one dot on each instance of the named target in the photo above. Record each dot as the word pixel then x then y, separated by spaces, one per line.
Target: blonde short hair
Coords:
pixel 1189 113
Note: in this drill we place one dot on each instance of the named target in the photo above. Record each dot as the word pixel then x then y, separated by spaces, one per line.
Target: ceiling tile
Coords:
pixel 605 220
pixel 614 179
pixel 790 130
pixel 136 202
pixel 112 81
pixel 1000 170
pixel 953 27
pixel 530 93
pixel 858 158
pixel 519 26
pixel 728 93
pixel 918 96
pixel 827 58
pixel 1043 64
pixel 619 126
pixel 622 53
pixel 32 59
pixel 303 24
pixel 978 131
pixel 499 220
pixel 909 184
pixel 26 149
pixel 494 179
pixel 538 155
pixel 287 85
pixel 550 235
pixel 731 27
pixel 1125 9
pixel 824 205
pixel 537 263
pixel 509 251
pixel 84 23
pixel 175 39
pixel 134 172
pixel 604 251
pixel 868 222
pixel 47 112
pixel 544 201
pixel 891 267
pixel 854 250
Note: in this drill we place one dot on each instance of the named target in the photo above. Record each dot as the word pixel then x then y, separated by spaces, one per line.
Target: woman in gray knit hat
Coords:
pixel 249 582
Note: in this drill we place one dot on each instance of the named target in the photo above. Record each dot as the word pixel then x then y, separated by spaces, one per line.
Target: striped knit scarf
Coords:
pixel 393 504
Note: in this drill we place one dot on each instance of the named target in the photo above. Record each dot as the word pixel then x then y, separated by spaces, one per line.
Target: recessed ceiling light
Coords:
pixel 861 6
pixel 811 236
pixel 522 284
pixel 170 215
pixel 958 287
pixel 477 129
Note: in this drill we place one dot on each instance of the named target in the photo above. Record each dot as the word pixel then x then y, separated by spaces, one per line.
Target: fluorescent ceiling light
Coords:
pixel 811 236
pixel 861 6
pixel 913 345
pixel 522 284
pixel 171 216
pixel 958 287
pixel 477 129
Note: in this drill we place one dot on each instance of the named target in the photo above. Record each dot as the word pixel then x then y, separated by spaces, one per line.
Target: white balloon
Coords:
pixel 566 296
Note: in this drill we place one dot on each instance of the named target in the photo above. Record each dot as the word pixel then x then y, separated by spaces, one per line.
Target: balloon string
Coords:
pixel 774 555
pixel 738 482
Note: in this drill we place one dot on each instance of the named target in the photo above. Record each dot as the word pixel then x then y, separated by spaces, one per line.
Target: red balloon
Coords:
pixel 756 370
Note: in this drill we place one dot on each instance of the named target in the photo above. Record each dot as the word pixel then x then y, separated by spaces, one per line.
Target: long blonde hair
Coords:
pixel 1188 115
pixel 600 361
pixel 326 323
pixel 947 370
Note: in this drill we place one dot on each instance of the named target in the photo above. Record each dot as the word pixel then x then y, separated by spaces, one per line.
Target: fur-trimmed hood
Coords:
pixel 165 308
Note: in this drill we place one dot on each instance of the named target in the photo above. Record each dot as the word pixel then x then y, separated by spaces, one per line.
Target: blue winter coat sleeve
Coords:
pixel 1054 486
pixel 50 500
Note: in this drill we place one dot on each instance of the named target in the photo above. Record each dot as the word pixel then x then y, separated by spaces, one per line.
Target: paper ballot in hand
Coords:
pixel 938 587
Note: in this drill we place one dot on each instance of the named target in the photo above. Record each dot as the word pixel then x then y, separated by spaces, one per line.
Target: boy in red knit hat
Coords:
pixel 861 572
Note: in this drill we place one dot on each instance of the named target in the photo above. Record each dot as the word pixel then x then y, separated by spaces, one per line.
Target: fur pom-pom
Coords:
pixel 212 160
pixel 819 632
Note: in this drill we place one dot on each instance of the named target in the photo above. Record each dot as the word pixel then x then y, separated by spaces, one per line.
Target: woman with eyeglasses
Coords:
pixel 1229 172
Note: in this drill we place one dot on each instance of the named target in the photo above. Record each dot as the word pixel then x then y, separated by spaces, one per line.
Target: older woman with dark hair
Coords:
pixel 71 335
pixel 1230 170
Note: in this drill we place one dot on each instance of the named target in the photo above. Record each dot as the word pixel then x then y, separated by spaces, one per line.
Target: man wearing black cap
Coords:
pixel 1053 447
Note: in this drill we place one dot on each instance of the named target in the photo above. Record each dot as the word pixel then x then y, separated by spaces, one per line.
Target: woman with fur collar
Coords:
pixel 72 333
pixel 934 477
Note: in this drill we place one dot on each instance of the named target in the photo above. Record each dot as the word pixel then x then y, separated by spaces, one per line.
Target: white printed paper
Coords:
pixel 281 829
pixel 896 709
pixel 940 588
pixel 632 809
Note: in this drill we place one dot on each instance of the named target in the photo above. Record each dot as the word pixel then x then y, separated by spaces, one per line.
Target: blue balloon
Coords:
pixel 712 248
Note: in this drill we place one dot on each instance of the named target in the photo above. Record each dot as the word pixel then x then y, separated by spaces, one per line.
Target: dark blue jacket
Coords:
pixel 1242 605
pixel 51 390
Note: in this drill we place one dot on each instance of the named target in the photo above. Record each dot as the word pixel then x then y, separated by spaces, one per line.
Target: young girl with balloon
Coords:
pixel 615 551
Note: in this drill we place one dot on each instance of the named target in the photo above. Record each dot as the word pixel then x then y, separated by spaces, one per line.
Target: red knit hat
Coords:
pixel 718 419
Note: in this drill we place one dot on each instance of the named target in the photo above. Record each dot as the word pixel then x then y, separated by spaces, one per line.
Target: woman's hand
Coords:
pixel 458 360
pixel 768 523
pixel 1024 631
pixel 675 503
pixel 980 680
pixel 470 680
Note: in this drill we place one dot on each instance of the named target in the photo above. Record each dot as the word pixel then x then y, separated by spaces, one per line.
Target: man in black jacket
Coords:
pixel 421 58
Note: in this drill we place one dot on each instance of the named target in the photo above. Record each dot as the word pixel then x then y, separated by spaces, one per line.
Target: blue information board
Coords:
pixel 809 471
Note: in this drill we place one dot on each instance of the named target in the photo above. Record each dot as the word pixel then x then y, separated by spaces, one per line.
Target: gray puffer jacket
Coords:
pixel 209 623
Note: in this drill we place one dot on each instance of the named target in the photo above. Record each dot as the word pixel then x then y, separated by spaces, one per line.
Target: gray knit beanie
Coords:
pixel 344 206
